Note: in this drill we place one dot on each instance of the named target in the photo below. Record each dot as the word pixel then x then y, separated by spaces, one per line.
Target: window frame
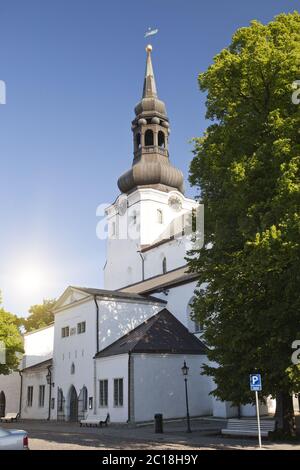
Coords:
pixel 119 402
pixel 29 400
pixel 104 398
pixel 42 390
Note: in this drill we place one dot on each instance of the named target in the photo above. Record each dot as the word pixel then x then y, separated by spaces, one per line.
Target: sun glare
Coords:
pixel 30 279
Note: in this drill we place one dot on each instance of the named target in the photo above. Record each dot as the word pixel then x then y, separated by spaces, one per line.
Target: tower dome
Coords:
pixel 151 166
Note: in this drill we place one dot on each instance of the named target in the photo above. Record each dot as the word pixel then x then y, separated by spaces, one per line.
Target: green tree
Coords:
pixel 40 315
pixel 247 167
pixel 12 341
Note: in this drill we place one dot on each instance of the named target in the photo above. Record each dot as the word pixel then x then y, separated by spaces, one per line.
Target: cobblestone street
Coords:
pixel 69 436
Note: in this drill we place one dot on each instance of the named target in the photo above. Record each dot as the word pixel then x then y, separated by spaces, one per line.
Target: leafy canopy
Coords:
pixel 247 167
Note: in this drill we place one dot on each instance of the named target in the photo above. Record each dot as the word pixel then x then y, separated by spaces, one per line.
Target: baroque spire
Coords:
pixel 151 167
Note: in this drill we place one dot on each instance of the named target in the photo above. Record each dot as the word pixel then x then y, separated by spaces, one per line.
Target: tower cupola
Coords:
pixel 151 166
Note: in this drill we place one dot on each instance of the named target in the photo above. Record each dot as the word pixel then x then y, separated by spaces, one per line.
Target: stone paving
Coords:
pixel 44 435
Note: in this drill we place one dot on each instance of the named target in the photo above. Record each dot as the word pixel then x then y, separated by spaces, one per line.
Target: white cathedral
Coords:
pixel 120 349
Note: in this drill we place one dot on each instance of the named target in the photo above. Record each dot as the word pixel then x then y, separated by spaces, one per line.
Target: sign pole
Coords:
pixel 258 419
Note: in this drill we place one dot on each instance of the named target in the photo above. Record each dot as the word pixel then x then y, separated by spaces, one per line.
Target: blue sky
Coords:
pixel 74 71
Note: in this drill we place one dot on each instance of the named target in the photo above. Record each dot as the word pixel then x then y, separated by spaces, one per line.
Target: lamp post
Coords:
pixel 185 371
pixel 51 384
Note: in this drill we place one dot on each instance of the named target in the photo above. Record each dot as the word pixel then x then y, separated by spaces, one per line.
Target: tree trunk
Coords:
pixel 285 418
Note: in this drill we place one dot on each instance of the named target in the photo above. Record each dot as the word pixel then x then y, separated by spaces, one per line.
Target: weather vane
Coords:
pixel 151 32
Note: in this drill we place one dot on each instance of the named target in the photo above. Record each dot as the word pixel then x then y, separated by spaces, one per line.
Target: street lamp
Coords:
pixel 185 371
pixel 51 384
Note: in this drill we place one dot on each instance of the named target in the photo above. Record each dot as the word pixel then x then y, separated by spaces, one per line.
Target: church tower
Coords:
pixel 152 199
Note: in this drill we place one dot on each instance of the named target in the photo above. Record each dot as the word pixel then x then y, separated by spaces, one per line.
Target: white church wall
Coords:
pixel 178 299
pixel 38 346
pixel 10 385
pixel 118 317
pixel 174 251
pixel 35 379
pixel 77 349
pixel 110 368
pixel 125 238
pixel 159 386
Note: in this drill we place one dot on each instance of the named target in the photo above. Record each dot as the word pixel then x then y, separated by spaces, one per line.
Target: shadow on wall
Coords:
pixel 118 318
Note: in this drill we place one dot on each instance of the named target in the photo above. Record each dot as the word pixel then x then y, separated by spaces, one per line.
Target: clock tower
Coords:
pixel 152 204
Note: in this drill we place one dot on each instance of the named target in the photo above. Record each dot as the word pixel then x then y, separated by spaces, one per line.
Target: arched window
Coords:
pixel 164 265
pixel 73 368
pixel 60 400
pixel 161 139
pixel 160 217
pixel 149 138
pixel 138 141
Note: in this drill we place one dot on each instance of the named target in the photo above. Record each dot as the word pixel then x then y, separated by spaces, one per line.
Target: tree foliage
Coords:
pixel 40 315
pixel 247 166
pixel 12 341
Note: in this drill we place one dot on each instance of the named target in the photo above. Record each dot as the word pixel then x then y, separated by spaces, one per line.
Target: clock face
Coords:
pixel 122 206
pixel 175 203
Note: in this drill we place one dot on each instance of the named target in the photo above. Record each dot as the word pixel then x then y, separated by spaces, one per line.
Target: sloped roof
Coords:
pixel 162 333
pixel 117 294
pixel 46 363
pixel 162 281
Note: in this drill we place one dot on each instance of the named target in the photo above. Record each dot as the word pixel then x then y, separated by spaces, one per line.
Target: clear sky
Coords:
pixel 74 71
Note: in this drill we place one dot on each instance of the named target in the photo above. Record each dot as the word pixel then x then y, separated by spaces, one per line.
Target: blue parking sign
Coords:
pixel 255 383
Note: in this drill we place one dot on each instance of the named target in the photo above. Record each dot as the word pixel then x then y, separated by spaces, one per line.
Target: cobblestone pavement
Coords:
pixel 45 435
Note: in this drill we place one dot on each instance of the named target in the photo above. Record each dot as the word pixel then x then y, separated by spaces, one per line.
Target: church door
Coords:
pixel 2 404
pixel 73 404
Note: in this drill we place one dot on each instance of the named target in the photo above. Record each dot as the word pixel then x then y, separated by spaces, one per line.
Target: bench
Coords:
pixel 95 421
pixel 248 427
pixel 10 417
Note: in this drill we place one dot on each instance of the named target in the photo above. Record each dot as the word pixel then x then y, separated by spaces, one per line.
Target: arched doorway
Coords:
pixel 73 404
pixel 2 404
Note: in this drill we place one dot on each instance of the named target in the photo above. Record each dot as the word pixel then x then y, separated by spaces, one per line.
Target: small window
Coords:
pixel 138 141
pixel 103 393
pixel 164 265
pixel 113 228
pixel 90 403
pixel 73 368
pixel 134 218
pixel 81 327
pixel 52 403
pixel 65 332
pixel 149 138
pixel 118 392
pixel 160 217
pixel 29 395
pixel 161 139
pixel 41 396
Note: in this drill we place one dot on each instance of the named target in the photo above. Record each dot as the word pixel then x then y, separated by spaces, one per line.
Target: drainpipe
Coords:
pixel 143 265
pixel 21 392
pixel 50 392
pixel 97 350
pixel 129 384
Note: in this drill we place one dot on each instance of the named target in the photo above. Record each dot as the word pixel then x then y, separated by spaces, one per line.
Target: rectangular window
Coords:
pixel 29 395
pixel 41 395
pixel 65 332
pixel 118 392
pixel 103 393
pixel 81 327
